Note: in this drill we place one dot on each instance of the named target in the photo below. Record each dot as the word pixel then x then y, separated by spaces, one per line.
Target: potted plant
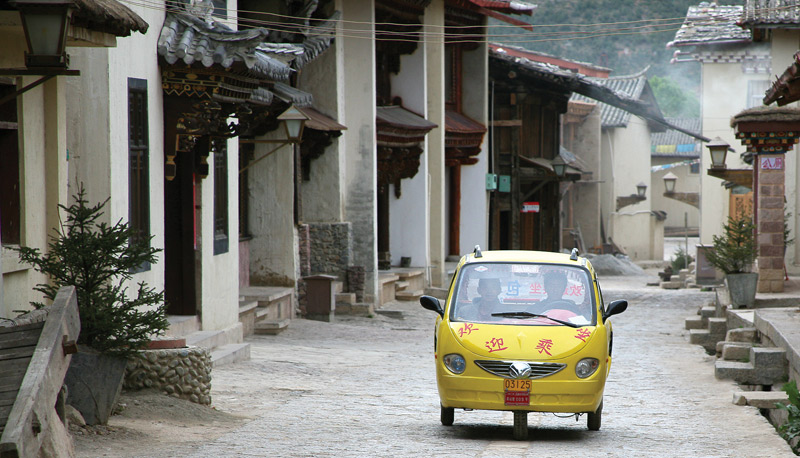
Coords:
pixel 98 259
pixel 733 253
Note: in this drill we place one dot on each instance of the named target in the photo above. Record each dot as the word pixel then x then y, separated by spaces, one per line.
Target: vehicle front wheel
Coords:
pixel 595 419
pixel 447 415
pixel 520 425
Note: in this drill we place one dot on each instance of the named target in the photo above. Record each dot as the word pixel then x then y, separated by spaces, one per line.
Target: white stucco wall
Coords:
pixel 42 120
pixel 474 197
pixel 724 94
pixel 686 182
pixel 639 234
pixel 408 216
pixel 434 17
pixel 323 193
pixel 360 138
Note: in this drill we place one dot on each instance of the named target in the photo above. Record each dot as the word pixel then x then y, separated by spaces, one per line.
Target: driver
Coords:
pixel 555 284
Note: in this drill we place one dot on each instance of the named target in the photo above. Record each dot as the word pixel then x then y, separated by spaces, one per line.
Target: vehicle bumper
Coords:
pixel 560 396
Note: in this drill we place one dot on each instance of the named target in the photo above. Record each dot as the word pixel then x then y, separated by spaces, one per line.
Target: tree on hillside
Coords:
pixel 674 101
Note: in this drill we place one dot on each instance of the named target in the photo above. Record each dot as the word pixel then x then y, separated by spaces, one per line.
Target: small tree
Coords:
pixel 98 259
pixel 734 251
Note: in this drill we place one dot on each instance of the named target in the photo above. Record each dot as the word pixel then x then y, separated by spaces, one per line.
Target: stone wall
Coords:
pixel 180 372
pixel 331 248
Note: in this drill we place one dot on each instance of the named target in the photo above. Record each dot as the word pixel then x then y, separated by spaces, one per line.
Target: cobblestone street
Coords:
pixel 366 387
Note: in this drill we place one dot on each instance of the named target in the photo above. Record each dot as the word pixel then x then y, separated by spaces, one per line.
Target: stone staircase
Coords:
pixel 225 345
pixel 707 328
pixel 742 358
pixel 347 303
pixel 401 284
pixel 265 309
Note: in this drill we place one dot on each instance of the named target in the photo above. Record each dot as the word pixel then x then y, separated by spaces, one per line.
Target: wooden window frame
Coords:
pixel 138 163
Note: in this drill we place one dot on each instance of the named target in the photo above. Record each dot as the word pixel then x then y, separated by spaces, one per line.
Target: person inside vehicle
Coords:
pixel 555 284
pixel 486 303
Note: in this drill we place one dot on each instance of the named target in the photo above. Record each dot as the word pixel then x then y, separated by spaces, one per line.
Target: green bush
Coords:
pixel 681 260
pixel 791 428
pixel 98 259
pixel 734 251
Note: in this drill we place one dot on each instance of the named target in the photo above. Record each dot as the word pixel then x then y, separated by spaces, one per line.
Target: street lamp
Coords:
pixel 669 182
pixel 641 188
pixel 559 166
pixel 293 122
pixel 719 150
pixel 45 25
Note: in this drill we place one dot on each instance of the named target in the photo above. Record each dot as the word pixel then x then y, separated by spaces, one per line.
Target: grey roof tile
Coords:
pixel 709 24
pixel 785 13
pixel 672 143
pixel 631 86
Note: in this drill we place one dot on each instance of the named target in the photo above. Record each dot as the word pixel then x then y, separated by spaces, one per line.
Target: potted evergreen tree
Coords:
pixel 734 253
pixel 98 259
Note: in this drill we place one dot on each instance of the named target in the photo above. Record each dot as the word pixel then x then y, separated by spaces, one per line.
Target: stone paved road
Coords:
pixel 366 387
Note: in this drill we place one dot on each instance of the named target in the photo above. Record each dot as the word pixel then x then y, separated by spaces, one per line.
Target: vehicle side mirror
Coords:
pixel 615 308
pixel 431 303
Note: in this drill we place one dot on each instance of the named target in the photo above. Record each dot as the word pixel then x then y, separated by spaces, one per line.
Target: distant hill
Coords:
pixel 624 48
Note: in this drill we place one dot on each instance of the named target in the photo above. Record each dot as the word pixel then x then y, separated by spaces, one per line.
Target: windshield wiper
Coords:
pixel 535 315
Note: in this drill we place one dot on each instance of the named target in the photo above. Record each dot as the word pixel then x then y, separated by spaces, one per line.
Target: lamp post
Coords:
pixel 641 189
pixel 45 25
pixel 719 150
pixel 669 182
pixel 559 166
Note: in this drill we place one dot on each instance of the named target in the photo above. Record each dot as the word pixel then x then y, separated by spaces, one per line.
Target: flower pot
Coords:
pixel 94 381
pixel 742 288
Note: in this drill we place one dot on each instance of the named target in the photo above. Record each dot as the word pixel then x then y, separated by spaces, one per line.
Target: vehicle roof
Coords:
pixel 525 256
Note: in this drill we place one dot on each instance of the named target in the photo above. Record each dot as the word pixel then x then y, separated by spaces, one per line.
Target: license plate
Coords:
pixel 517 392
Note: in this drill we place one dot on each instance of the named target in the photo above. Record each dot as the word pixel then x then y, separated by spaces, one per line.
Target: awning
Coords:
pixel 463 137
pixel 546 164
pixel 398 127
pixel 319 121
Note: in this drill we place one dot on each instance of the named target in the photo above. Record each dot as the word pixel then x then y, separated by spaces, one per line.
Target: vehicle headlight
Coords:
pixel 586 367
pixel 455 363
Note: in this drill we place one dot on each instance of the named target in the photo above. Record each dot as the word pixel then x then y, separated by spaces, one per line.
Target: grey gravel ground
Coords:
pixel 366 387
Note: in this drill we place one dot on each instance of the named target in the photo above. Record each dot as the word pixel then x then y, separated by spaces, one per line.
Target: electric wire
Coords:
pixel 653 26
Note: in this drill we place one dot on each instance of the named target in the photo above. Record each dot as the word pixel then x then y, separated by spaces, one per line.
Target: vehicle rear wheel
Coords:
pixel 595 419
pixel 447 415
pixel 520 425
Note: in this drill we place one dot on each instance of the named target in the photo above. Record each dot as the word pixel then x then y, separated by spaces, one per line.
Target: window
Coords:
pixel 694 168
pixel 755 92
pixel 219 149
pixel 9 169
pixel 138 159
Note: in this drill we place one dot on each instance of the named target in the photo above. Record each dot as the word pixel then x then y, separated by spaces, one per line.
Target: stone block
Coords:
pixel 345 298
pixel 717 327
pixel 736 351
pixel 708 312
pixel 732 370
pixel 671 284
pixel 694 322
pixel 769 357
pixel 683 274
pixel 698 336
pixel 760 399
pixel 742 335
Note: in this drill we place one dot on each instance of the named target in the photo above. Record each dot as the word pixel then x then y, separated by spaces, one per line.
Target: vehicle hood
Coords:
pixel 521 342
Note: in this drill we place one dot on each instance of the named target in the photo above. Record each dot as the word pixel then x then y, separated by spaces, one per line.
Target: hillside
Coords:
pixel 626 46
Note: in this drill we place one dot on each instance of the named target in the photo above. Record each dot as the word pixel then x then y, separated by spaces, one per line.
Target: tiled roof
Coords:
pixel 296 97
pixel 191 40
pixel 506 6
pixel 565 64
pixel 631 86
pixel 785 13
pixel 709 23
pixel 672 143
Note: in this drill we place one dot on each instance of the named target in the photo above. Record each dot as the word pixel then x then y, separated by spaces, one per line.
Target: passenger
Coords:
pixel 486 303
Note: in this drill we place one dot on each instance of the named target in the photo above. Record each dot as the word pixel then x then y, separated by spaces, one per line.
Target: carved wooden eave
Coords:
pixel 401 135
pixel 462 140
pixel 319 133
pixel 740 177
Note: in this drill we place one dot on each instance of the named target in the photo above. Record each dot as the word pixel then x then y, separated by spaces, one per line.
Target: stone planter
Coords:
pixel 94 381
pixel 742 288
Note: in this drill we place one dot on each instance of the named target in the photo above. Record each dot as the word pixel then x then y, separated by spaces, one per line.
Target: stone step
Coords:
pixel 742 335
pixel 356 309
pixel 766 366
pixel 769 358
pixel 707 312
pixel 733 370
pixel 230 353
pixel 344 298
pixel 181 325
pixel 398 314
pixel 271 327
pixel 415 278
pixel 401 286
pixel 718 327
pixel 439 293
pixel 734 351
pixel 760 399
pixel 408 295
pixel 671 285
pixel 338 286
pixel 694 322
pixel 247 315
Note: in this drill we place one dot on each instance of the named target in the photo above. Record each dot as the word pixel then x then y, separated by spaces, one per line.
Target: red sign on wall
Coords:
pixel 771 163
pixel 530 207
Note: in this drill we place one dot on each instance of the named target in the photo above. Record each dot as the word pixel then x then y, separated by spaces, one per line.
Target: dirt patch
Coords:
pixel 157 420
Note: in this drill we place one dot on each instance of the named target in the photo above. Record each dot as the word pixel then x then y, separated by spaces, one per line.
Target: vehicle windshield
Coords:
pixel 508 293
